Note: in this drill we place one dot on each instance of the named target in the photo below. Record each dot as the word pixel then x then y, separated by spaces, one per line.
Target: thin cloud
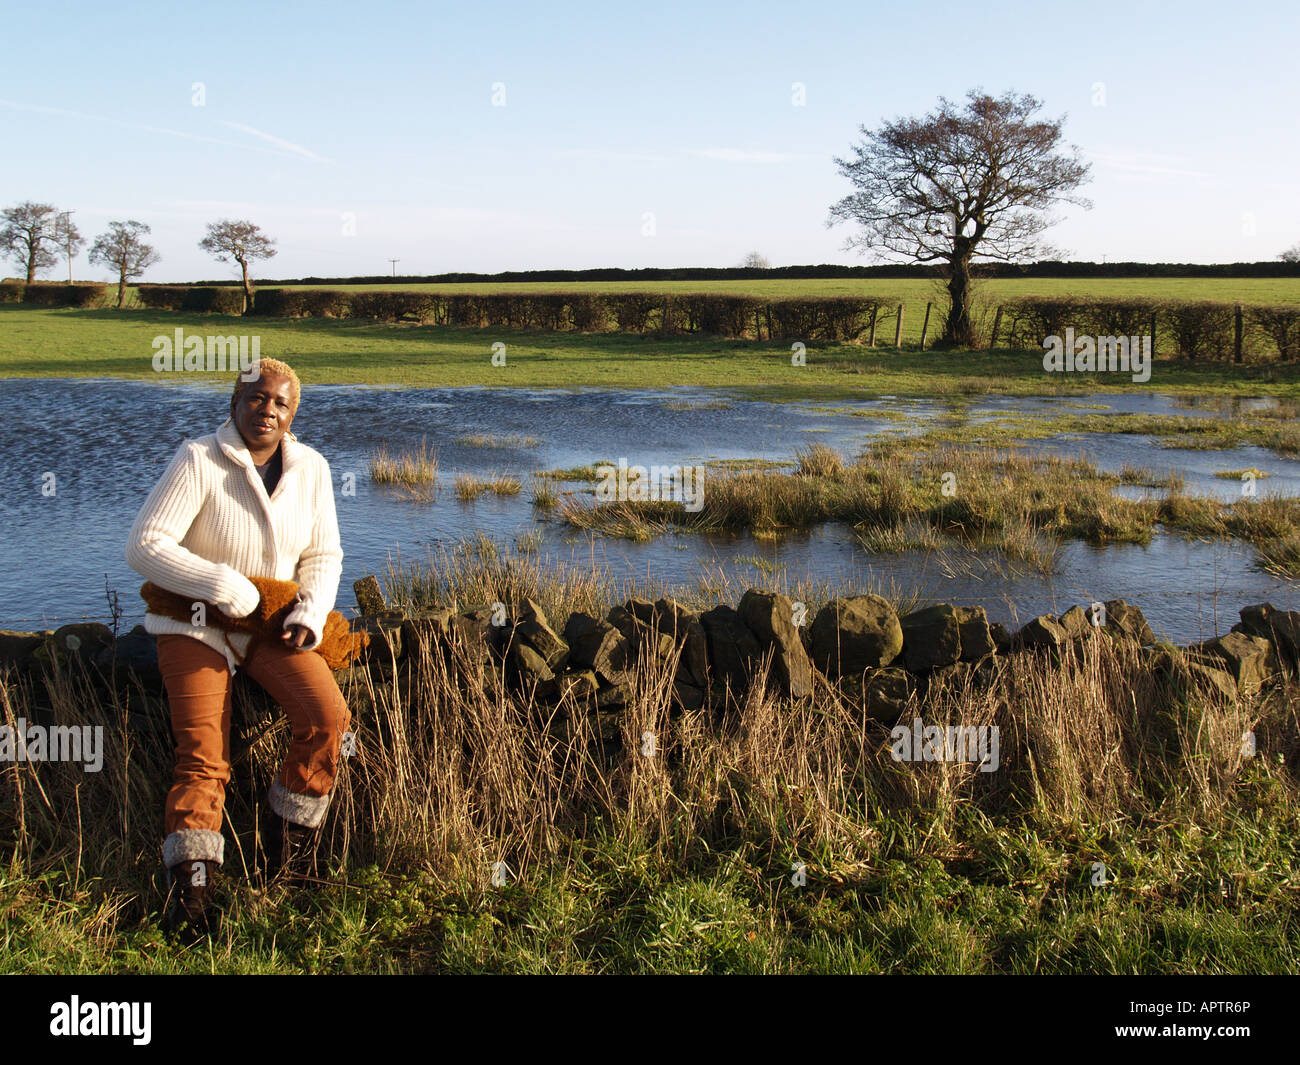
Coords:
pixel 288 146
pixel 739 155
pixel 14 105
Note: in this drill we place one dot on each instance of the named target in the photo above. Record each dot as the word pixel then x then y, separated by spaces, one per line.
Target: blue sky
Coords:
pixel 355 133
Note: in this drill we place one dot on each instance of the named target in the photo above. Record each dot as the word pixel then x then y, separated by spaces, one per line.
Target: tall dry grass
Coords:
pixel 453 773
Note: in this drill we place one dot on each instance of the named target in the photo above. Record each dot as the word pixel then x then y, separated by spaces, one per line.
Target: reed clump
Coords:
pixel 1023 505
pixel 413 471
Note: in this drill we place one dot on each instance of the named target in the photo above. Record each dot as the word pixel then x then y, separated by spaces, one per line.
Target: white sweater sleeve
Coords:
pixel 153 547
pixel 320 565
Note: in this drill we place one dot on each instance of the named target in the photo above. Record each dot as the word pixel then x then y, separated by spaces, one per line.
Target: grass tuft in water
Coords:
pixel 414 471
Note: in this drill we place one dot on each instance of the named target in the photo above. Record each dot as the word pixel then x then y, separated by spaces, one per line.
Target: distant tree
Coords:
pixel 1291 255
pixel 755 261
pixel 27 236
pixel 957 185
pixel 241 241
pixel 122 249
pixel 68 238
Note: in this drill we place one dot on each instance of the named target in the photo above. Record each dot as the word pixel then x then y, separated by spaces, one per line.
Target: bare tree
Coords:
pixel 28 237
pixel 68 238
pixel 241 241
pixel 1291 255
pixel 960 185
pixel 756 261
pixel 122 249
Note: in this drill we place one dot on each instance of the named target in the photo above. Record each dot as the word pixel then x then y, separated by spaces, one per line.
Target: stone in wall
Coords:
pixel 1250 660
pixel 853 634
pixel 370 597
pixel 973 627
pixel 1043 631
pixel 603 649
pixel 1127 621
pixel 931 638
pixel 770 617
pixel 426 631
pixel 684 627
pixel 1076 624
pixel 1282 627
pixel 734 650
pixel 532 627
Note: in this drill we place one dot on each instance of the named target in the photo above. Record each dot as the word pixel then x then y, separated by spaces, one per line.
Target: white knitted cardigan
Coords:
pixel 208 525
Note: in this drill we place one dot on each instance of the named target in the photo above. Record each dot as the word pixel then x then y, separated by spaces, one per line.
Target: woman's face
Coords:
pixel 263 412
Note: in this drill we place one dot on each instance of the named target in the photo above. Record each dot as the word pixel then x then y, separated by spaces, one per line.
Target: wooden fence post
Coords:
pixel 871 337
pixel 1236 335
pixel 925 326
pixel 997 324
pixel 898 327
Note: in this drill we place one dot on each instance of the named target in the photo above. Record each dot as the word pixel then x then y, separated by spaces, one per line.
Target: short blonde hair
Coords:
pixel 273 367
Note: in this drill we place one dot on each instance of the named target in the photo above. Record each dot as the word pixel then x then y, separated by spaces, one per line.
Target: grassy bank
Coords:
pixel 617 862
pixel 106 343
pixel 1275 428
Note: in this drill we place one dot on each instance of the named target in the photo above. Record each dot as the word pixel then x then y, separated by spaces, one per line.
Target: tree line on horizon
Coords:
pixel 808 271
pixel 935 193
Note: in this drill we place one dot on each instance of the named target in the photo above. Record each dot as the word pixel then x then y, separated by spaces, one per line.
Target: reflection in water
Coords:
pixel 106 443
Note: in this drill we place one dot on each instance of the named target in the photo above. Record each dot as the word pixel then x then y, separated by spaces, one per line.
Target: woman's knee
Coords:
pixel 324 721
pixel 190 771
pixel 306 689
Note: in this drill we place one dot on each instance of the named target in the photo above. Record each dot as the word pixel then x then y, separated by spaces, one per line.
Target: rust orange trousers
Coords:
pixel 199 685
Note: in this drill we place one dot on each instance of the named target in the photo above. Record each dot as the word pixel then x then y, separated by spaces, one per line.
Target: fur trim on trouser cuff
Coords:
pixel 305 810
pixel 193 845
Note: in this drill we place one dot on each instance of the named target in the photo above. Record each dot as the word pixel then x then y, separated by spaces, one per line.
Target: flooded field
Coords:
pixel 105 442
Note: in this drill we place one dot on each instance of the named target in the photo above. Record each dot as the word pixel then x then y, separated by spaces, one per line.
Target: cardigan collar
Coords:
pixel 234 445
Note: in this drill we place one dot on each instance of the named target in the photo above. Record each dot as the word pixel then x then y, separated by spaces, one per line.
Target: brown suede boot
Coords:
pixel 290 849
pixel 191 912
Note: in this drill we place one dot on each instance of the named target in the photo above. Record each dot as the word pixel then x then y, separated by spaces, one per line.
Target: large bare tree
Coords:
pixel 122 249
pixel 28 235
pixel 959 185
pixel 241 241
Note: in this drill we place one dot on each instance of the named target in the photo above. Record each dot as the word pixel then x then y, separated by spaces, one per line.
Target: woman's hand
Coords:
pixel 296 635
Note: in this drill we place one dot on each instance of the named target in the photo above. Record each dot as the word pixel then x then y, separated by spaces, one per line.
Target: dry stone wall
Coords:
pixel 712 657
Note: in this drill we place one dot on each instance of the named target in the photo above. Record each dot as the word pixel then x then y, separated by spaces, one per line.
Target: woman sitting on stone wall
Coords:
pixel 243 504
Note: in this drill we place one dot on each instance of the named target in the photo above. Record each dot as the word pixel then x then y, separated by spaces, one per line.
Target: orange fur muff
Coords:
pixel 339 645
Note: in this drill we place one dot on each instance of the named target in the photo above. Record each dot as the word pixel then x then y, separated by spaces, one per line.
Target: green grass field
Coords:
pixel 935 894
pixel 1233 289
pixel 41 342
